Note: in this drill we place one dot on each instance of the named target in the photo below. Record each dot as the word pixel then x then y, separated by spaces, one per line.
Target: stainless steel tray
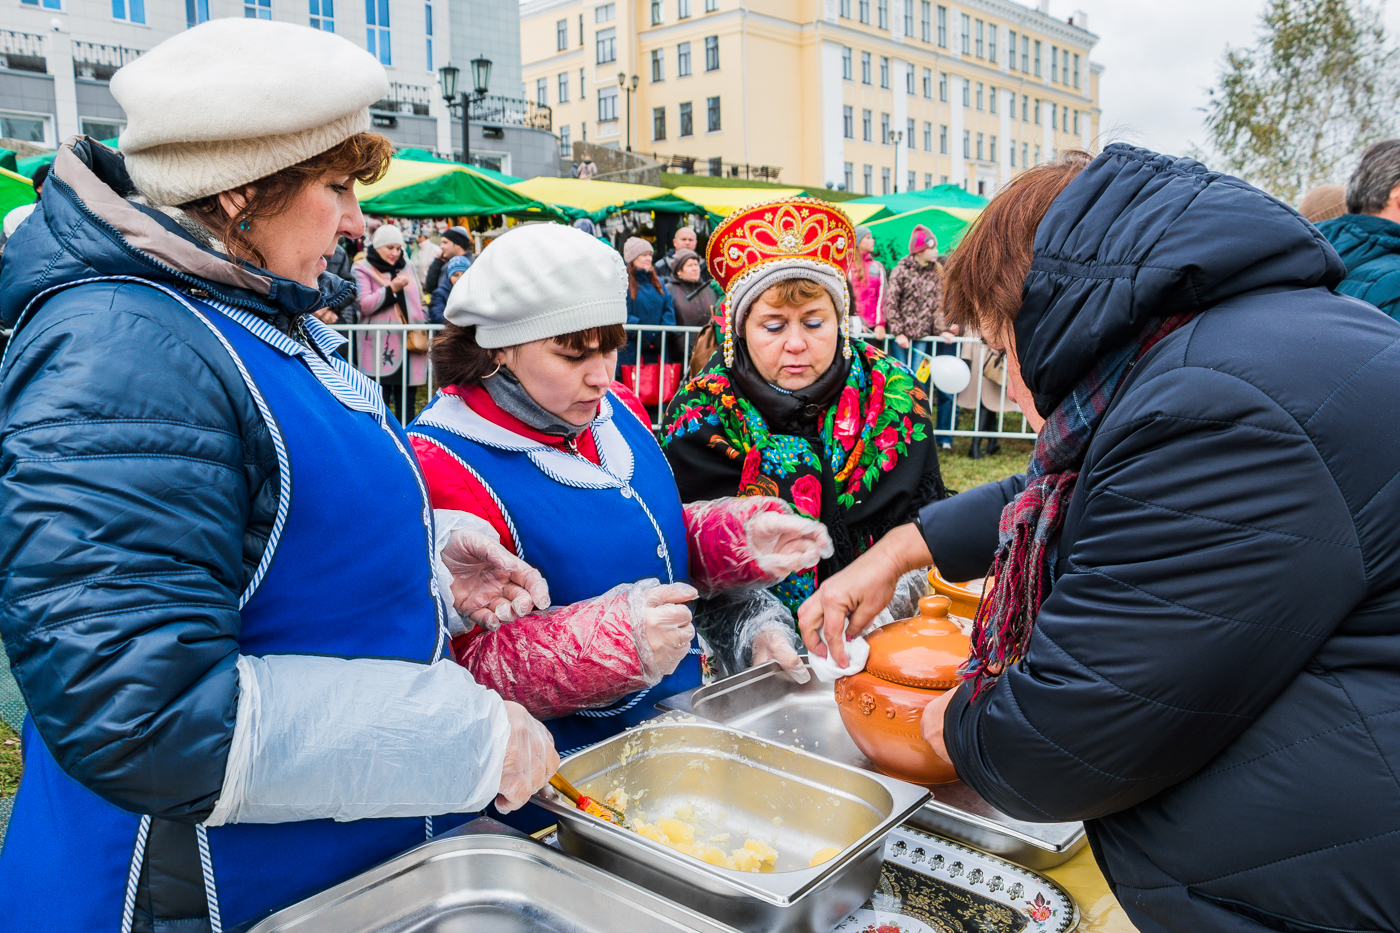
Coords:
pixel 765 702
pixel 728 782
pixel 487 879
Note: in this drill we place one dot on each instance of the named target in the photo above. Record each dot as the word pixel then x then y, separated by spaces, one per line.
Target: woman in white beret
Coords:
pixel 219 574
pixel 531 434
pixel 389 294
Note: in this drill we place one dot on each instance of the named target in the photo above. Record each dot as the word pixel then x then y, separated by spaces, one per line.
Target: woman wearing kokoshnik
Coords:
pixel 794 408
pixel 220 582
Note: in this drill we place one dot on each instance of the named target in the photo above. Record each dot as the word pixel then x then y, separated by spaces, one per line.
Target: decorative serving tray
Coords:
pixel 932 885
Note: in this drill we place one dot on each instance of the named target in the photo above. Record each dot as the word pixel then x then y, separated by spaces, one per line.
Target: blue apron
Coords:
pixel 71 860
pixel 587 527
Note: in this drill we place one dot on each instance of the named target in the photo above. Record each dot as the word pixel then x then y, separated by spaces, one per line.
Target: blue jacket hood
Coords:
pixel 1138 236
pixel 1362 238
pixel 87 225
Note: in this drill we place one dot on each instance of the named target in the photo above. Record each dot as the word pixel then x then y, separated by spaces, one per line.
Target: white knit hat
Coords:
pixel 538 281
pixel 234 100
pixel 387 235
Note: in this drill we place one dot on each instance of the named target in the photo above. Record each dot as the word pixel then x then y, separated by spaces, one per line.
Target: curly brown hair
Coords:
pixel 364 157
pixel 458 360
pixel 983 279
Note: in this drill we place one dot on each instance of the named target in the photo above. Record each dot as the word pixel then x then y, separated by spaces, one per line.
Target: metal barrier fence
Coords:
pixel 673 345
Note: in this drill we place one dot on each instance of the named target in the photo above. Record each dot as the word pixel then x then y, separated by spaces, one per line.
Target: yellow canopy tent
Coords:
pixel 723 201
pixel 584 198
pixel 861 213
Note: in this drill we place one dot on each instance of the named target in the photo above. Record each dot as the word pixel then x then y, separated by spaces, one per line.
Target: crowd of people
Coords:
pixel 270 635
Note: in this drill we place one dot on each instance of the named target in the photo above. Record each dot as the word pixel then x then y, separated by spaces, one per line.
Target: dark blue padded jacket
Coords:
pixel 1214 682
pixel 126 659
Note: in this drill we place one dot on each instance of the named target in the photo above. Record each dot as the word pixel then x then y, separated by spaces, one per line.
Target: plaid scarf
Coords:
pixel 1023 570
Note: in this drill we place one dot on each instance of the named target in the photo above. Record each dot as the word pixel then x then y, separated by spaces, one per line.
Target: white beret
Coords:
pixel 538 281
pixel 234 100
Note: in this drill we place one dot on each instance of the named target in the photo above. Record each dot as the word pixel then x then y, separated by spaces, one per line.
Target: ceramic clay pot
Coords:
pixel 911 662
pixel 964 601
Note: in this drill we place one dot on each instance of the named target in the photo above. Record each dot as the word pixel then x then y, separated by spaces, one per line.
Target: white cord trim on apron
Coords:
pixel 133 875
pixel 211 890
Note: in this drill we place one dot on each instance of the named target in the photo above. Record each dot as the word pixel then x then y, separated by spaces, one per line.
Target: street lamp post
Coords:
pixel 481 80
pixel 622 83
pixel 898 138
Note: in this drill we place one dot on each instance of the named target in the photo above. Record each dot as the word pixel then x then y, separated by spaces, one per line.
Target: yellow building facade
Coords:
pixel 873 96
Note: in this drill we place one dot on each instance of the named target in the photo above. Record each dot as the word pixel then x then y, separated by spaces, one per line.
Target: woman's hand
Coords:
pixel 903 341
pixel 531 759
pixel 666 628
pixel 783 544
pixel 879 331
pixel 490 585
pixel 399 282
pixel 931 724
pixel 776 645
pixel 326 316
pixel 847 602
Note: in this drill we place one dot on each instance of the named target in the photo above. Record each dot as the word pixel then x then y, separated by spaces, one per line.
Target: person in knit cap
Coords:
pixel 389 295
pixel 456 241
pixel 450 274
pixel 224 590
pixel 912 308
pixel 793 407
pixel 867 278
pixel 648 304
pixel 1323 203
pixel 531 434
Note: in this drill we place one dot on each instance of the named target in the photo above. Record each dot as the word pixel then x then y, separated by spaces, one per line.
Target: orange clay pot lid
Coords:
pixel 924 652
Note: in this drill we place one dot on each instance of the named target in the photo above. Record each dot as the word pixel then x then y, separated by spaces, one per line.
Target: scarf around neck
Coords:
pixel 507 392
pixel 799 411
pixel 1029 533
pixel 389 270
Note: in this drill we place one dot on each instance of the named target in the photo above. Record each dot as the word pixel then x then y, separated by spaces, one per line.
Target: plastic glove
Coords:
pixel 785 543
pixel 662 626
pixel 583 655
pixel 749 541
pixel 490 585
pixel 778 645
pixel 530 759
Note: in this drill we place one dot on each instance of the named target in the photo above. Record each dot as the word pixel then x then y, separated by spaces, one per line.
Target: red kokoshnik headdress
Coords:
pixel 759 246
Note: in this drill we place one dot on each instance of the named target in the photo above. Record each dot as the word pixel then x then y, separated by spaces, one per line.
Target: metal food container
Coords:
pixel 748 788
pixel 767 702
pixel 485 877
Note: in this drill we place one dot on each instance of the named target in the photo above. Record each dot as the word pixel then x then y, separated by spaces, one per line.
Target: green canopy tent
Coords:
pixel 8 160
pixel 15 191
pixel 892 234
pixel 945 196
pixel 459 193
pixel 423 155
pixel 664 204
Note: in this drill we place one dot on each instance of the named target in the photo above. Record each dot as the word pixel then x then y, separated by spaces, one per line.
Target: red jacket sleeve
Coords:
pixel 453 486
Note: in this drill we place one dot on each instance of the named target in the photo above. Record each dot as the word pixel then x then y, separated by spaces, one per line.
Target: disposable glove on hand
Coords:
pixel 490 585
pixel 530 759
pixel 783 544
pixel 749 541
pixel 661 625
pixel 779 645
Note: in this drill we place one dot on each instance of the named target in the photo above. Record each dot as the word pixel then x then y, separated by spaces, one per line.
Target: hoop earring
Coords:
pixel 491 373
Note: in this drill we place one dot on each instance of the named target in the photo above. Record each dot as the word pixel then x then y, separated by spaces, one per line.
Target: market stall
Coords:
pixel 446 189
pixel 892 233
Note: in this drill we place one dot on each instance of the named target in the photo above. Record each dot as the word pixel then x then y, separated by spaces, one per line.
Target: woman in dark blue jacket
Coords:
pixel 1193 642
pixel 219 571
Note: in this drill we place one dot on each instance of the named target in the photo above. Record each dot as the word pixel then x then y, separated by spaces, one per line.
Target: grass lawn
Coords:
pixel 961 472
pixel 10 765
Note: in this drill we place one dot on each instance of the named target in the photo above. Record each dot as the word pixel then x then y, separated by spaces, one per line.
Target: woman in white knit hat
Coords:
pixel 220 587
pixel 531 434
pixel 389 294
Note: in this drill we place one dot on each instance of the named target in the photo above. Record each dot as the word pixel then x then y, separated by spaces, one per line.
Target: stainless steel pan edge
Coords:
pixel 906 799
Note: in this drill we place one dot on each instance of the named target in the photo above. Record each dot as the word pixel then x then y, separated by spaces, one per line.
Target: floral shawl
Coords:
pixel 868 466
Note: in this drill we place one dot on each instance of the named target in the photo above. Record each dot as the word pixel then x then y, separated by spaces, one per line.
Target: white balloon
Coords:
pixel 949 374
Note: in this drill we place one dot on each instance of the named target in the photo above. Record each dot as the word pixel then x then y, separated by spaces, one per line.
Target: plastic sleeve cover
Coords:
pixel 562 660
pixel 329 738
pixel 730 621
pixel 721 556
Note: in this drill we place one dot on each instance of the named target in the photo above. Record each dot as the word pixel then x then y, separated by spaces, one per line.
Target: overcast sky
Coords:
pixel 1159 58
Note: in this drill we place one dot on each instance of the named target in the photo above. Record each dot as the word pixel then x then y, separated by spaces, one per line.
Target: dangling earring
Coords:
pixel 846 333
pixel 728 335
pixel 243 225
